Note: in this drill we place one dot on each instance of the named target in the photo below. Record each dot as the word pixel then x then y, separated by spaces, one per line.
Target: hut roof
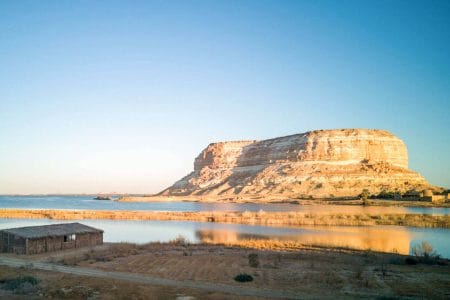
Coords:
pixel 51 230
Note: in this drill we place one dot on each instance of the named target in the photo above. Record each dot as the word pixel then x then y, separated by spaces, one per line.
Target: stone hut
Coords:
pixel 46 238
pixel 427 193
pixel 438 198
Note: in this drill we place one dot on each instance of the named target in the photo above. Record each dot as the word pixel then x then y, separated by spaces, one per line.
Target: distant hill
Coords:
pixel 315 164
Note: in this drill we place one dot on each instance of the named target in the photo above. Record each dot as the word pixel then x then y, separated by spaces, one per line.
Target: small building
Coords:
pixel 427 193
pixel 438 198
pixel 46 238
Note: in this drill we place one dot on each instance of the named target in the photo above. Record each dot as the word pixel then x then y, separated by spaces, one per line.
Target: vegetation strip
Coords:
pixel 246 217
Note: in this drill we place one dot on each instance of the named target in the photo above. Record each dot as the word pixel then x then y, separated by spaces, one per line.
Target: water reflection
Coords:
pixel 362 238
pixel 378 238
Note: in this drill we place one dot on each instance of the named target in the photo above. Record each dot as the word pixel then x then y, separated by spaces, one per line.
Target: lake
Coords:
pixel 87 202
pixel 378 238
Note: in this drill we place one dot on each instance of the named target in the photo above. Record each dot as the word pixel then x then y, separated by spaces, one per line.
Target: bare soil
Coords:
pixel 307 272
pixel 56 285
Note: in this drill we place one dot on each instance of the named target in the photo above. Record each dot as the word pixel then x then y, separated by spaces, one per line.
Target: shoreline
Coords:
pixel 248 218
pixel 282 200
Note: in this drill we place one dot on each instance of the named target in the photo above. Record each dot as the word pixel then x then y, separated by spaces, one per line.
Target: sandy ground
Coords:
pixel 304 273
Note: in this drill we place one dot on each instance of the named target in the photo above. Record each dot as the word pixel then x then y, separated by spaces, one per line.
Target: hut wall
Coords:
pixel 53 243
pixel 89 239
pixel 3 242
pixel 12 243
pixel 56 243
pixel 68 244
pixel 35 246
pixel 15 244
pixel 427 193
pixel 19 245
pixel 438 198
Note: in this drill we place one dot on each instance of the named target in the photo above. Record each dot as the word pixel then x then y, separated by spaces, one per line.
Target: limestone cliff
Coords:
pixel 317 164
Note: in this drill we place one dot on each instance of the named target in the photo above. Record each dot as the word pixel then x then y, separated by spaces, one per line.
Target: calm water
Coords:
pixel 378 238
pixel 87 202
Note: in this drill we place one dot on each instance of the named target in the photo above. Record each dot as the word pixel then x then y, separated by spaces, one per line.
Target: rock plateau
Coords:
pixel 315 164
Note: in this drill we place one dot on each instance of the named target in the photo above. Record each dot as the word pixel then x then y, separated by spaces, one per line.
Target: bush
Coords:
pixel 389 195
pixel 16 283
pixel 180 241
pixel 424 249
pixel 365 194
pixel 411 261
pixel 243 278
pixel 253 260
pixel 425 253
pixel 398 260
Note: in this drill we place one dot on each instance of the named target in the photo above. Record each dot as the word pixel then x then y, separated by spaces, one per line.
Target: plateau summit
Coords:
pixel 315 164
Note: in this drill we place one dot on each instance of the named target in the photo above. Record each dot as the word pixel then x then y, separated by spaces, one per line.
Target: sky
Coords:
pixel 120 96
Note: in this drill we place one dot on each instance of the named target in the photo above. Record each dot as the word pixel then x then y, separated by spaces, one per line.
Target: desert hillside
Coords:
pixel 315 164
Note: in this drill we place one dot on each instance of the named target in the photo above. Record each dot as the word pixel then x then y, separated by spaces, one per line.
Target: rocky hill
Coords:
pixel 315 164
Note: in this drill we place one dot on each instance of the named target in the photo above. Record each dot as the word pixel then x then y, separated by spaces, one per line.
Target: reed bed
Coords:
pixel 246 217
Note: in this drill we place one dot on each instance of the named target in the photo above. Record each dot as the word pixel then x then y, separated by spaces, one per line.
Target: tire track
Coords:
pixel 138 278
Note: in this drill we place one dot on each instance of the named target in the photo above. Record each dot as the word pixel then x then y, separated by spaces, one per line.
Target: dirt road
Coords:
pixel 137 278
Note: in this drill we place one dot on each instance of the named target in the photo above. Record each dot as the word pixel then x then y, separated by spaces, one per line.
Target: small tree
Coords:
pixel 397 194
pixel 364 196
pixel 424 249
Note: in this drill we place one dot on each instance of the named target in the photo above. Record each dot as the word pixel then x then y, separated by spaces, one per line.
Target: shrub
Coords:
pixel 389 194
pixel 397 260
pixel 180 241
pixel 364 194
pixel 253 260
pixel 411 261
pixel 243 278
pixel 424 249
pixel 16 283
pixel 426 254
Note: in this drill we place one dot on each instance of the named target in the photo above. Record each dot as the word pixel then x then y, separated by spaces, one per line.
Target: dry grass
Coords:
pixel 54 285
pixel 246 217
pixel 316 272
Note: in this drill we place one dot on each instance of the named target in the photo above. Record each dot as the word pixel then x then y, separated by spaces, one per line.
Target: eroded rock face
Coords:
pixel 318 164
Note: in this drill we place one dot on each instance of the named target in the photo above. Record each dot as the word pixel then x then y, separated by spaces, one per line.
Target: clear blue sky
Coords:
pixel 103 96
